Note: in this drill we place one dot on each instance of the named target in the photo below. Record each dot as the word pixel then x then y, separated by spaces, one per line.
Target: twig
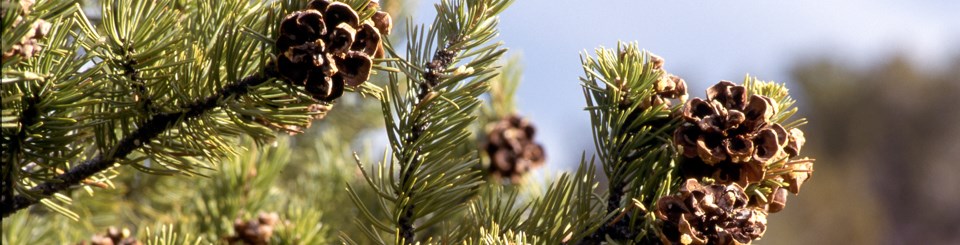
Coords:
pixel 157 124
pixel 441 59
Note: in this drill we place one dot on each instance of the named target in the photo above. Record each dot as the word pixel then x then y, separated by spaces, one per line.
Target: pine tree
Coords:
pixel 246 122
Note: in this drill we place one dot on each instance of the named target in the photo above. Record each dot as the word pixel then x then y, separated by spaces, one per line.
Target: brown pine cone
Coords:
pixel 113 236
pixel 29 44
pixel 254 232
pixel 325 48
pixel 511 148
pixel 730 136
pixel 667 86
pixel 714 214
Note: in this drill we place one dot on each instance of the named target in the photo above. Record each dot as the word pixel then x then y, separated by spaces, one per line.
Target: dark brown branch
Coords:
pixel 153 127
pixel 441 60
pixel 13 150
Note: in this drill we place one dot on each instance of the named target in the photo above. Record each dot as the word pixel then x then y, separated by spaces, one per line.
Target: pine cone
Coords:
pixel 667 87
pixel 29 45
pixel 714 214
pixel 325 48
pixel 730 136
pixel 113 236
pixel 254 232
pixel 511 148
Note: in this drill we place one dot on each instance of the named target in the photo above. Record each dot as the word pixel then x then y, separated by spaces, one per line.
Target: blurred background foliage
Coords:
pixel 888 143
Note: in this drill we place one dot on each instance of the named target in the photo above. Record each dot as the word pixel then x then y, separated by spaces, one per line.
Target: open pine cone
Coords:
pixel 326 47
pixel 668 86
pixel 511 148
pixel 29 45
pixel 254 232
pixel 730 136
pixel 113 236
pixel 714 214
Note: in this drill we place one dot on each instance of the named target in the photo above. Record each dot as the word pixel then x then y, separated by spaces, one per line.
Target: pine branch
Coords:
pixel 568 211
pixel 442 59
pixel 153 127
pixel 43 96
pixel 155 60
pixel 431 76
pixel 428 113
pixel 628 96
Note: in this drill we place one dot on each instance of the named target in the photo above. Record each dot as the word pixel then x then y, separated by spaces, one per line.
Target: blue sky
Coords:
pixel 703 42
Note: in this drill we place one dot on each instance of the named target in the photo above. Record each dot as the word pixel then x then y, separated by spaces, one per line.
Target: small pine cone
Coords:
pixel 325 48
pixel 268 218
pixel 672 86
pixel 714 214
pixel 98 240
pixel 511 148
pixel 254 232
pixel 666 87
pixel 657 61
pixel 29 44
pixel 731 137
pixel 113 236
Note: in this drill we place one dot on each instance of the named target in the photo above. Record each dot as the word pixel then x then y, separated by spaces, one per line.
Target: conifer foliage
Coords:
pixel 171 113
